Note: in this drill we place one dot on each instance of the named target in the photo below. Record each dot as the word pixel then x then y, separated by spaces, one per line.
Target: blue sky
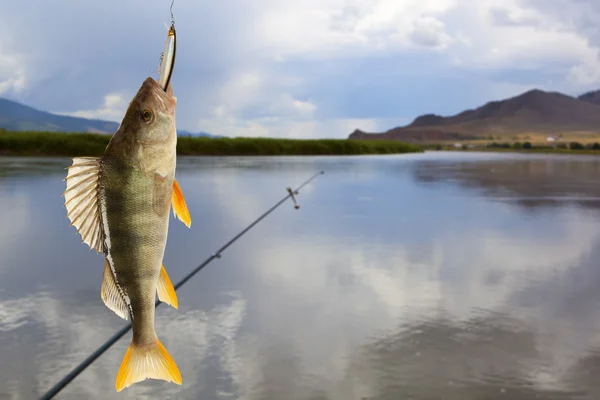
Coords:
pixel 303 68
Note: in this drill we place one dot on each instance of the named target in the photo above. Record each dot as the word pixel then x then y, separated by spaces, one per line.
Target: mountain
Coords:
pixel 15 116
pixel 591 97
pixel 534 111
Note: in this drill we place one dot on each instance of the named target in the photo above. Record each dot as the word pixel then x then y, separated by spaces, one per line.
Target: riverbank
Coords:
pixel 90 144
pixel 521 147
pixel 533 150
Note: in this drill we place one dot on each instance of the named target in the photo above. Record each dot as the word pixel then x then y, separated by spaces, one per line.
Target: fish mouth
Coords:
pixel 166 99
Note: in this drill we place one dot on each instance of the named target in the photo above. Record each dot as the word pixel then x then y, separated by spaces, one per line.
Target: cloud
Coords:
pixel 501 16
pixel 339 28
pixel 305 67
pixel 280 127
pixel 249 104
pixel 113 109
pixel 15 80
pixel 505 34
pixel 13 77
pixel 429 32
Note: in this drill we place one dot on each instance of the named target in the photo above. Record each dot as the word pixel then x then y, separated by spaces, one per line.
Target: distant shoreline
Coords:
pixel 530 151
pixel 25 143
pixel 572 147
pixel 513 151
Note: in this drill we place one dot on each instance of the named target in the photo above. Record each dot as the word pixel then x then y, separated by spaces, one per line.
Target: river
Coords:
pixel 443 275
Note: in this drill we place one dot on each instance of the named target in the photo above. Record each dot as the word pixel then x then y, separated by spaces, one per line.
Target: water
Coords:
pixel 429 276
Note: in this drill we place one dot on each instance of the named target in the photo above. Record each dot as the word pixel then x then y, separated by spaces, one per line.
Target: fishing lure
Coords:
pixel 167 59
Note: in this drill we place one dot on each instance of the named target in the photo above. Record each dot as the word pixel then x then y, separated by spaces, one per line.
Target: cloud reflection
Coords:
pixel 488 301
pixel 59 334
pixel 332 297
pixel 532 182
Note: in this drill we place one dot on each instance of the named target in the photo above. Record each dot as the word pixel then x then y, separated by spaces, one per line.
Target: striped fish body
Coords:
pixel 135 205
pixel 120 205
pixel 135 190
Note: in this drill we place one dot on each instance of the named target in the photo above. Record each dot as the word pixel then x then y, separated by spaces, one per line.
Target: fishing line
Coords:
pixel 113 339
pixel 171 11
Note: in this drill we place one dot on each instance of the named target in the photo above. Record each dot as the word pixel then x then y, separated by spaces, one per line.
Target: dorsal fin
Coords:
pixel 110 293
pixel 179 206
pixel 81 200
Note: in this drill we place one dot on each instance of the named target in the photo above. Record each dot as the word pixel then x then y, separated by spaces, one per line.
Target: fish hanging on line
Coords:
pixel 120 204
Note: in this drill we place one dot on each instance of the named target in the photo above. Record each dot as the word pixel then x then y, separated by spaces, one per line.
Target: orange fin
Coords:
pixel 146 362
pixel 165 289
pixel 179 207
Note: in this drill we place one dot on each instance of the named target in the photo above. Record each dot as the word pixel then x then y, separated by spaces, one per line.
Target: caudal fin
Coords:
pixel 147 362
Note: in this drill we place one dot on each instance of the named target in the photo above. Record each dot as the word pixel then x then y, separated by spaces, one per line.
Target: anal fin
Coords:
pixel 179 206
pixel 110 293
pixel 165 289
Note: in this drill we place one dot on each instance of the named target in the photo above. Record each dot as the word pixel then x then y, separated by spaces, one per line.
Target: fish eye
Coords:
pixel 147 115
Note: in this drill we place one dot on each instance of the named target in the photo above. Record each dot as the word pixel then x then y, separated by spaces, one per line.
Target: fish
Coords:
pixel 120 204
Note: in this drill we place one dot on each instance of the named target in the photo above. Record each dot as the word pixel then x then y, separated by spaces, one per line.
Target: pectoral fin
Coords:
pixel 165 289
pixel 179 207
pixel 110 293
pixel 81 200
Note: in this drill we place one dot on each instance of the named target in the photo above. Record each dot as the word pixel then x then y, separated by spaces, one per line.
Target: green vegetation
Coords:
pixel 89 144
pixel 570 147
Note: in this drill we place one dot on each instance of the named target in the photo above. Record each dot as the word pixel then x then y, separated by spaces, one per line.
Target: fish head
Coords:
pixel 150 117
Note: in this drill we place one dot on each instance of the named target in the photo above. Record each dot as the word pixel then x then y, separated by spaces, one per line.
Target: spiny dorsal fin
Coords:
pixel 165 289
pixel 81 200
pixel 110 293
pixel 179 207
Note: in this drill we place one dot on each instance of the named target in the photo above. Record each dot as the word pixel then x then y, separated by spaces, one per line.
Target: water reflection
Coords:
pixel 530 181
pixel 426 360
pixel 399 277
pixel 28 167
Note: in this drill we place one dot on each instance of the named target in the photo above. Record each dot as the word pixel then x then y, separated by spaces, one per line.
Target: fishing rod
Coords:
pixel 113 339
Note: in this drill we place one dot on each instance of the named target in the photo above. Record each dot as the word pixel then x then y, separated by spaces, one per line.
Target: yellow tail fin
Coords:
pixel 146 362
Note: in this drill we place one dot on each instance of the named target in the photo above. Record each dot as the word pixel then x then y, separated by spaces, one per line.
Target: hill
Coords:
pixel 15 116
pixel 533 112
pixel 591 97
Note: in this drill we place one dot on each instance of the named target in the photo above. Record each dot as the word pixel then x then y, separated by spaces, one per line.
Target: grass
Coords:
pixel 28 143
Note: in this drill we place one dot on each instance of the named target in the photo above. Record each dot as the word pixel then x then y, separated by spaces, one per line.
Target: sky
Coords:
pixel 302 68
